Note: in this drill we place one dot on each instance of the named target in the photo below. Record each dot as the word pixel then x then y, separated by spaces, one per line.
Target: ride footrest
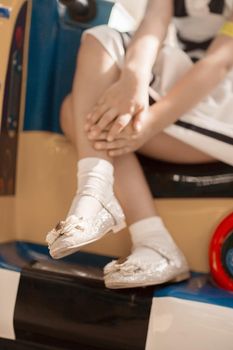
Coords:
pixel 65 305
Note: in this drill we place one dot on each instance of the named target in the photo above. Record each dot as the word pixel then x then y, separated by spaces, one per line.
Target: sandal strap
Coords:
pixel 167 250
pixel 113 208
pixel 93 195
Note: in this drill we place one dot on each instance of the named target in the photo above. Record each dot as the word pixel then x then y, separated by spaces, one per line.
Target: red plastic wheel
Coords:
pixel 221 254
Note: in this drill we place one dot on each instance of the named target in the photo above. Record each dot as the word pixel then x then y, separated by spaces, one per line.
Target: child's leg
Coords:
pixel 129 185
pixel 155 258
pixel 95 208
pixel 167 148
pixel 95 72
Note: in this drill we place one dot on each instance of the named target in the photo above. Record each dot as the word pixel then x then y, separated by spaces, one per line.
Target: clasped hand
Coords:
pixel 118 122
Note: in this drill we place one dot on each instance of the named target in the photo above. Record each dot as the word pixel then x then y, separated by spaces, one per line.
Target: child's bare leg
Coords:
pixel 95 72
pixel 166 148
pixel 95 209
pixel 130 184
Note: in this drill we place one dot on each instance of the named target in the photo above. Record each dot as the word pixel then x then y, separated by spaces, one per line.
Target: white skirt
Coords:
pixel 209 126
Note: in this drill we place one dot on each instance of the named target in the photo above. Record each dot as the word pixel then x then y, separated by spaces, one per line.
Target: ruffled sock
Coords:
pixel 95 186
pixel 142 233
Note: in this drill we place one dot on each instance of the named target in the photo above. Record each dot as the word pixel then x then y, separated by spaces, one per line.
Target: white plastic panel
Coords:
pixel 179 324
pixel 9 282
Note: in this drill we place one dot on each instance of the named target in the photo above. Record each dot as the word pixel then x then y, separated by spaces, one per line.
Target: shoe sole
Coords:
pixel 179 278
pixel 74 249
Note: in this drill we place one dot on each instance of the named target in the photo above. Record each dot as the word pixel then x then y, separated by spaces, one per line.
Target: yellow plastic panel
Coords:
pixel 7 219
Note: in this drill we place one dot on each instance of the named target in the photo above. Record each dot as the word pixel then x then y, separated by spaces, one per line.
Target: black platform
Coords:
pixel 169 180
pixel 65 305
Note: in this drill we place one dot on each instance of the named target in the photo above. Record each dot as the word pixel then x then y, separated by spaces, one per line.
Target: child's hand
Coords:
pixel 128 140
pixel 124 99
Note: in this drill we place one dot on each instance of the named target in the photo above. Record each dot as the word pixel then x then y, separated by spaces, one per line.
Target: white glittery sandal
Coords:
pixel 133 272
pixel 69 235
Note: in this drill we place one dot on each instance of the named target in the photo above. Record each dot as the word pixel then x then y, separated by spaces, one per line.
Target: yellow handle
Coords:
pixel 227 29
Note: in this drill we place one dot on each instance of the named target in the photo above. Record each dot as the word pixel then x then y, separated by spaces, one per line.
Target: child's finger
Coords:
pixel 138 121
pixel 120 123
pixel 119 152
pixel 97 113
pixel 103 145
pixel 104 121
pixel 101 137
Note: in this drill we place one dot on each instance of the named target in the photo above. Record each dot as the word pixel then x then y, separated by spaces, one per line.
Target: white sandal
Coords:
pixel 75 232
pixel 134 272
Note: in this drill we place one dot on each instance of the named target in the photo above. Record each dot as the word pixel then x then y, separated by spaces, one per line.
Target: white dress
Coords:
pixel 209 126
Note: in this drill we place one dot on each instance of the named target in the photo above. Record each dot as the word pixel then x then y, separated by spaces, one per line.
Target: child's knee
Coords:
pixel 90 39
pixel 93 37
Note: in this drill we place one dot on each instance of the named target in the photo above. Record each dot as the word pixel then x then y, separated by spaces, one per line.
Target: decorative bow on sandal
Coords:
pixel 65 228
pixel 127 267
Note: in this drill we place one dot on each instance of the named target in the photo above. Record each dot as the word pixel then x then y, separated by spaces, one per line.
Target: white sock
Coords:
pixel 144 231
pixel 95 175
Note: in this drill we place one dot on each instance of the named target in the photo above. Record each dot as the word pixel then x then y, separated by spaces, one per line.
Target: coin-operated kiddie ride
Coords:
pixel 46 304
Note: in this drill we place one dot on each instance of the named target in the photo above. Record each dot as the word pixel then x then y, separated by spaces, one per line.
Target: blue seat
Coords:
pixel 54 42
